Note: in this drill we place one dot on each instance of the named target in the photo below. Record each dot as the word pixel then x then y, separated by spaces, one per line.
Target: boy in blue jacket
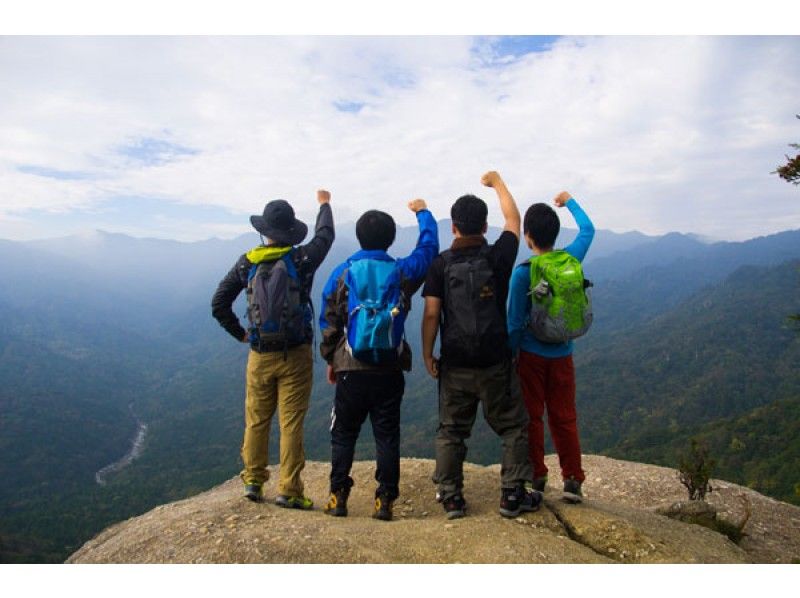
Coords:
pixel 546 371
pixel 369 389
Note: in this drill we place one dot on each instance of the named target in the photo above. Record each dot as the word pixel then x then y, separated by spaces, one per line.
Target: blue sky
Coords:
pixel 185 137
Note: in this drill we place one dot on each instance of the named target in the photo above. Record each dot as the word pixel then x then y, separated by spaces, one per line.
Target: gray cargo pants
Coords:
pixel 460 390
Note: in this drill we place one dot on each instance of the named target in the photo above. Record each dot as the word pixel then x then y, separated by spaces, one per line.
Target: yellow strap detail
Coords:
pixel 268 253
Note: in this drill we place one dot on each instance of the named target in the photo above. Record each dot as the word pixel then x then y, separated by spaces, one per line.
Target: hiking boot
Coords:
pixel 337 503
pixel 383 508
pixel 540 483
pixel 455 507
pixel 294 502
pixel 514 501
pixel 572 491
pixel 254 492
pixel 531 500
pixel 510 502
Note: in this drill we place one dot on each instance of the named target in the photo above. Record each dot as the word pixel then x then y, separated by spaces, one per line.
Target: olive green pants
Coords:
pixel 274 382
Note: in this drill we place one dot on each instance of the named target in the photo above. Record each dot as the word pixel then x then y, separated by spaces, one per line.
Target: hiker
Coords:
pixel 278 278
pixel 465 295
pixel 545 368
pixel 365 303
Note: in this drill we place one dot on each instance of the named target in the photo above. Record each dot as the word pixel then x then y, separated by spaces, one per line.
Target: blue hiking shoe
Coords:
pixel 294 502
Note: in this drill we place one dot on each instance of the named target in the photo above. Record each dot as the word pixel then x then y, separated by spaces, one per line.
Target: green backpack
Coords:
pixel 561 305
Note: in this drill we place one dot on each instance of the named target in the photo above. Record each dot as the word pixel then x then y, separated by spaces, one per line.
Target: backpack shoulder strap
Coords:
pixel 291 267
pixel 251 272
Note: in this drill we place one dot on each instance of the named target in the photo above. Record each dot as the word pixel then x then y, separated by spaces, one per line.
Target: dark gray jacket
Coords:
pixel 307 258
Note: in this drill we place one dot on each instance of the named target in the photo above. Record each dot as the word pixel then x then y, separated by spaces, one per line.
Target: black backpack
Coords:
pixel 277 305
pixel 473 326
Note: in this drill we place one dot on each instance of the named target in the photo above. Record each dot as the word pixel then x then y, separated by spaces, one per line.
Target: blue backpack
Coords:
pixel 376 311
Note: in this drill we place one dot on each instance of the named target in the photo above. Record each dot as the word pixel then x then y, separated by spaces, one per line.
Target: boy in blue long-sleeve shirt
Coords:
pixel 546 371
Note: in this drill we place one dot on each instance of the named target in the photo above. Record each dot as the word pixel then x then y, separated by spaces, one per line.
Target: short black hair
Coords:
pixel 469 214
pixel 375 230
pixel 541 225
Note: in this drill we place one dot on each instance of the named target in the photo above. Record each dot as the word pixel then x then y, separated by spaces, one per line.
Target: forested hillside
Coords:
pixel 721 364
pixel 96 331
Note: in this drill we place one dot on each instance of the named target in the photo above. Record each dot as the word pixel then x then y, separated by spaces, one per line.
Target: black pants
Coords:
pixel 359 394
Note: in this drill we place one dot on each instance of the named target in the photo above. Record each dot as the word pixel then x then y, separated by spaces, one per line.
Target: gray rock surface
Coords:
pixel 616 523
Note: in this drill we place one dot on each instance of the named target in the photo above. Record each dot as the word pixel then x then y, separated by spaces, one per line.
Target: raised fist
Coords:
pixel 415 205
pixel 490 179
pixel 323 196
pixel 561 199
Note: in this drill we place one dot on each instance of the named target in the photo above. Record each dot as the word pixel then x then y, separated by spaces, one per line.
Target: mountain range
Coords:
pixel 102 331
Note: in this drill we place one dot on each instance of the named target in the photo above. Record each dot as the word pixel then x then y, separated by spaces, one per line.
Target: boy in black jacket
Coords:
pixel 465 296
pixel 279 374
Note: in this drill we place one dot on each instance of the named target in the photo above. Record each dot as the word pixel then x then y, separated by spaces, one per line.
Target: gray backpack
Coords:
pixel 277 307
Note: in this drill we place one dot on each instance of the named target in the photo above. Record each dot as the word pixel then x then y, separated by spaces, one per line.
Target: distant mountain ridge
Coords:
pixel 90 325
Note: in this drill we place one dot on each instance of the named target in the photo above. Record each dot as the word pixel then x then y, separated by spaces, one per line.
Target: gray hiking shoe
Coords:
pixel 294 502
pixel 254 492
pixel 572 491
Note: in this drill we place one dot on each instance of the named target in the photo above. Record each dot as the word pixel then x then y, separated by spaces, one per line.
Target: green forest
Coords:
pixel 714 360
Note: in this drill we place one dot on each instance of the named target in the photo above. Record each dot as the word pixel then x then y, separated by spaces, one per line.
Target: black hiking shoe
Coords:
pixel 514 501
pixel 337 503
pixel 254 492
pixel 455 507
pixel 383 508
pixel 572 491
pixel 531 500
pixel 540 483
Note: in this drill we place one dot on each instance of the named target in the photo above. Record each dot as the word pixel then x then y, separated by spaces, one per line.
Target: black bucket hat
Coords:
pixel 279 224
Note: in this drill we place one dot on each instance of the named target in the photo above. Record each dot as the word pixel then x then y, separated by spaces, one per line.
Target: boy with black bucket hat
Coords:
pixel 364 303
pixel 277 276
pixel 465 297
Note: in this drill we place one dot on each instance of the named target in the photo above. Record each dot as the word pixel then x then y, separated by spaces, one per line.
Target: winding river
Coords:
pixel 133 453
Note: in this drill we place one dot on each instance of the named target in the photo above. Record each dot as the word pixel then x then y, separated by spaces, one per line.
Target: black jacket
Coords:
pixel 307 258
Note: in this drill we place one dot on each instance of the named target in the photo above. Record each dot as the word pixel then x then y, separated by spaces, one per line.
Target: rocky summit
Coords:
pixel 617 522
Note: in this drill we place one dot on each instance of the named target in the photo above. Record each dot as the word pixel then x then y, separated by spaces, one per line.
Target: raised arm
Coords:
pixel 316 249
pixel 415 266
pixel 507 204
pixel 583 240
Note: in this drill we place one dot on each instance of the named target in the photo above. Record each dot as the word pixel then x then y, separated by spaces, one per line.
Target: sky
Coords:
pixel 184 137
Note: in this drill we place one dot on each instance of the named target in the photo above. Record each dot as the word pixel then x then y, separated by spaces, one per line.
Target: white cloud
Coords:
pixel 650 133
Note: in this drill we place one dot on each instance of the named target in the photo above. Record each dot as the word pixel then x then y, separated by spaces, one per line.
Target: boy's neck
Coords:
pixel 539 251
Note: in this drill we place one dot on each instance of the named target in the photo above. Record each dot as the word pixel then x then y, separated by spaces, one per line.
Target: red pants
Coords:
pixel 550 382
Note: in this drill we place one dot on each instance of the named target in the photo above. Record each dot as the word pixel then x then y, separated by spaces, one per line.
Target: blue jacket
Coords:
pixel 519 302
pixel 333 316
